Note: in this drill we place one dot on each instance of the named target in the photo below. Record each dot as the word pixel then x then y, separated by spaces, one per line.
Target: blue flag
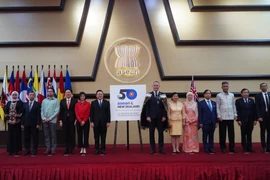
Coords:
pixel 30 83
pixel 67 81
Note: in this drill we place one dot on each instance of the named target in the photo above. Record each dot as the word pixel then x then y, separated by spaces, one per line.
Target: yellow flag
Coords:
pixel 35 85
pixel 2 115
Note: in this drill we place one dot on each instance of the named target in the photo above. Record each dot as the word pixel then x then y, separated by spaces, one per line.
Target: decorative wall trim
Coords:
pixel 74 43
pixel 19 9
pixel 179 42
pixel 176 36
pixel 219 8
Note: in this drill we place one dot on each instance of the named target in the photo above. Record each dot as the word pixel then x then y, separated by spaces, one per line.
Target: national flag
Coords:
pixel 23 88
pixel 4 92
pixel 42 87
pixel 67 81
pixel 54 84
pixel 60 93
pixel 30 83
pixel 17 82
pixel 35 85
pixel 193 90
pixel 2 115
pixel 11 85
pixel 49 84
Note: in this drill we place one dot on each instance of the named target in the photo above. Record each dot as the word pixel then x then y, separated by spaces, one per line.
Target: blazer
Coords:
pixel 245 111
pixel 19 110
pixel 206 116
pixel 66 112
pixel 100 115
pixel 31 117
pixel 260 105
pixel 155 108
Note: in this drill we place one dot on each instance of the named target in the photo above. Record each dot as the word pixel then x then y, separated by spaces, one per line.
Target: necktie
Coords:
pixel 209 105
pixel 68 103
pixel 30 105
pixel 100 103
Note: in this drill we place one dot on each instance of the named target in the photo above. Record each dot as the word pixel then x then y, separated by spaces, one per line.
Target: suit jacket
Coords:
pixel 206 116
pixel 66 112
pixel 245 111
pixel 260 105
pixel 31 117
pixel 100 115
pixel 155 108
pixel 19 110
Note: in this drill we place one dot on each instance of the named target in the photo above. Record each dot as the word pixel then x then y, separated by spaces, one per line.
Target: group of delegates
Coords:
pixel 188 117
pixel 72 113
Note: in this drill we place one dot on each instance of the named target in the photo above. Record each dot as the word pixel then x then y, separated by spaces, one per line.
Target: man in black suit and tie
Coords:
pixel 30 123
pixel 156 117
pixel 246 113
pixel 262 110
pixel 100 118
pixel 67 120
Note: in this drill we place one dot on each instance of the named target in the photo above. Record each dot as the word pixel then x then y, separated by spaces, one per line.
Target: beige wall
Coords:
pixel 127 21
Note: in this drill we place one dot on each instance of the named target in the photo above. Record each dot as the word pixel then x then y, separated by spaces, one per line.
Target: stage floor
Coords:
pixel 136 165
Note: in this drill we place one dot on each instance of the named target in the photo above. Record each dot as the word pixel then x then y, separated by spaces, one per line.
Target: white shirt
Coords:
pixel 226 109
pixel 263 94
pixel 155 93
pixel 209 102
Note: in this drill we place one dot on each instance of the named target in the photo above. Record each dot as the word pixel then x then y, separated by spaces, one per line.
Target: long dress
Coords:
pixel 190 137
pixel 13 112
pixel 175 115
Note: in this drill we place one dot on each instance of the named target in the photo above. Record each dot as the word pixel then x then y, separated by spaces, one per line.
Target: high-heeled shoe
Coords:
pixel 81 151
pixel 84 151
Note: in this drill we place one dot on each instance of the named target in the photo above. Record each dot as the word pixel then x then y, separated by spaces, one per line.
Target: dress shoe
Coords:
pixel 152 152
pixel 223 150
pixel 206 151
pixel 103 151
pixel 47 152
pixel 72 151
pixel 162 151
pixel 53 153
pixel 245 151
pixel 26 153
pixel 34 152
pixel 264 150
pixel 212 151
pixel 16 154
pixel 233 151
pixel 97 151
pixel 251 150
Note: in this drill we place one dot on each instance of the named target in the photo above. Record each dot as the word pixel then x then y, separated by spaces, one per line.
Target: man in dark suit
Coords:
pixel 245 107
pixel 156 116
pixel 262 112
pixel 100 118
pixel 30 123
pixel 208 121
pixel 67 120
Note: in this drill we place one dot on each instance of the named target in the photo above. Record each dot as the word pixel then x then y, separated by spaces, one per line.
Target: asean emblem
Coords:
pixel 128 60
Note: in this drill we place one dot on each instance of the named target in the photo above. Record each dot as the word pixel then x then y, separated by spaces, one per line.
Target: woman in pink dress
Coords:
pixel 190 140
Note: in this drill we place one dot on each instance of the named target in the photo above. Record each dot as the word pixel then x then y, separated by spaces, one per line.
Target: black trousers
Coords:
pixel 246 134
pixel 156 123
pixel 100 132
pixel 265 127
pixel 14 141
pixel 208 136
pixel 222 134
pixel 69 133
pixel 30 132
pixel 83 134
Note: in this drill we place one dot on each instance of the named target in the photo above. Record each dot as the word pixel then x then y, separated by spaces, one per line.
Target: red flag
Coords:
pixel 194 91
pixel 17 82
pixel 60 93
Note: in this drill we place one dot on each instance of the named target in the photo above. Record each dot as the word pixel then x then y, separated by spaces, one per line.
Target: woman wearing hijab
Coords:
pixel 82 110
pixel 13 115
pixel 175 115
pixel 190 140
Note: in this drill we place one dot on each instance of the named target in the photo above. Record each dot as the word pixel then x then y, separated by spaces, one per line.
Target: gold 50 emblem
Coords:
pixel 128 60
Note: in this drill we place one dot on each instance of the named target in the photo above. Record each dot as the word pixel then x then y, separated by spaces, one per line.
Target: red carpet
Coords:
pixel 133 164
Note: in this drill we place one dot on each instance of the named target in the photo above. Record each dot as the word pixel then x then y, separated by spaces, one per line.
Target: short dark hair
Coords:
pixel 51 89
pixel 32 92
pixel 205 91
pixel 82 93
pixel 99 91
pixel 244 89
pixel 263 84
pixel 175 93
pixel 224 82
pixel 68 90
